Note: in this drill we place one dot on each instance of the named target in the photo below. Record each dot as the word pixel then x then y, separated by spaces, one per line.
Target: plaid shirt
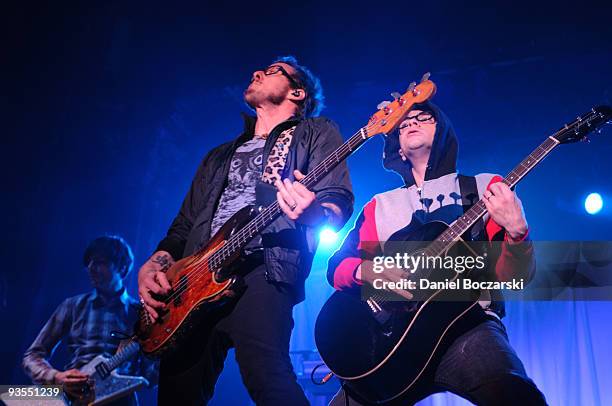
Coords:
pixel 86 322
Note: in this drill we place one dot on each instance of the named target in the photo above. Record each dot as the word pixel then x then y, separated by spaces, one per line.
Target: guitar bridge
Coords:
pixel 380 315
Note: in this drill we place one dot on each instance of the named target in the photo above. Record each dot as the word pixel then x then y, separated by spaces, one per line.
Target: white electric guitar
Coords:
pixel 108 384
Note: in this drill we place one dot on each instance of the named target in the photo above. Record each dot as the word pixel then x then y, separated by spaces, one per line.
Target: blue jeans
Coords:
pixel 480 366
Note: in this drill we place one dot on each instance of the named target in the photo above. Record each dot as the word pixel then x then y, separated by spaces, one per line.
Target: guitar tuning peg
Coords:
pixel 412 86
pixel 425 77
pixel 396 95
pixel 383 104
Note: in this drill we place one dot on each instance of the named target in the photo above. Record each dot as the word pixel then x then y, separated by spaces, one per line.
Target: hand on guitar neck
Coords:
pixel 300 205
pixel 506 209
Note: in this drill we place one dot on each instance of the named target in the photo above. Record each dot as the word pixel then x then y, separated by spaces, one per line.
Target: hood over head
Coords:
pixel 443 157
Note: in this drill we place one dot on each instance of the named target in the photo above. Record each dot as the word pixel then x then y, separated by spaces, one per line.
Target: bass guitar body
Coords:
pixel 196 280
pixel 381 349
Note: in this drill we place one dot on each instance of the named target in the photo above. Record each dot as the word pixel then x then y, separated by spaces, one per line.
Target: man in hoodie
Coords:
pixel 479 365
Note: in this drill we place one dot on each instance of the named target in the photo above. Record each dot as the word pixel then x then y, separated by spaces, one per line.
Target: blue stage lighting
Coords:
pixel 593 203
pixel 327 236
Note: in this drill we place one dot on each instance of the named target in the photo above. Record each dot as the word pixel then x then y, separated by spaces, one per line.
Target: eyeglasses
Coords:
pixel 274 69
pixel 422 117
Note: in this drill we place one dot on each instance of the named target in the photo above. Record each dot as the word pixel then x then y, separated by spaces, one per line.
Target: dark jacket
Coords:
pixel 288 247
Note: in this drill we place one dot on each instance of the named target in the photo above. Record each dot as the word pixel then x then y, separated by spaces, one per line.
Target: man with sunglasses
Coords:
pixel 279 145
pixel 479 364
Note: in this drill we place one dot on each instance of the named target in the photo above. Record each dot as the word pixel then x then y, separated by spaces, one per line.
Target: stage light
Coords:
pixel 327 236
pixel 593 203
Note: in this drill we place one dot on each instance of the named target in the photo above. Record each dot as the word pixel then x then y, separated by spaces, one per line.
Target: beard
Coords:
pixel 256 97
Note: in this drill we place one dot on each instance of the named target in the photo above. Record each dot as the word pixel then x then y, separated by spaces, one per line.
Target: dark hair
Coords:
pixel 314 101
pixel 113 248
pixel 425 106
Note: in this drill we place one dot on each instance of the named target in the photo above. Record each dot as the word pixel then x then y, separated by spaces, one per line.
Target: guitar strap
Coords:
pixel 491 300
pixel 278 157
pixel 469 197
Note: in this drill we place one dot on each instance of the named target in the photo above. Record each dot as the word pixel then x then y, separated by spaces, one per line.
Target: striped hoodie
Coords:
pixel 438 198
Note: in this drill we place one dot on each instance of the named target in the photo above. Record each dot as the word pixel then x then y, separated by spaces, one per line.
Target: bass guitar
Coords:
pixel 205 278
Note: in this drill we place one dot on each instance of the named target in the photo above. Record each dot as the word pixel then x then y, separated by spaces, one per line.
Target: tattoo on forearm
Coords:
pixel 164 261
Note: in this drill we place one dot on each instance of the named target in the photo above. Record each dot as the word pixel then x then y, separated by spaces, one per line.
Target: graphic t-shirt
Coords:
pixel 245 169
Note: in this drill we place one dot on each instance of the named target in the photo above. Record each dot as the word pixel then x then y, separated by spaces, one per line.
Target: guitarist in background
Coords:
pixel 286 98
pixel 86 322
pixel 479 365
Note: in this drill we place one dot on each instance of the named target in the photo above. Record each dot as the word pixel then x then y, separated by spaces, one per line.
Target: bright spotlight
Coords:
pixel 593 203
pixel 327 236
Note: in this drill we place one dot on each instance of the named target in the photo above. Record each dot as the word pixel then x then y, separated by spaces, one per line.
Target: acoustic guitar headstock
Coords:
pixel 582 126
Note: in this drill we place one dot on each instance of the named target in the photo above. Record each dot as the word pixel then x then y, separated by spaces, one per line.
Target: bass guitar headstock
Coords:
pixel 391 113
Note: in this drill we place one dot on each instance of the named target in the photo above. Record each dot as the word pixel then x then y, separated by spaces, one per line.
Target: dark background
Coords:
pixel 109 107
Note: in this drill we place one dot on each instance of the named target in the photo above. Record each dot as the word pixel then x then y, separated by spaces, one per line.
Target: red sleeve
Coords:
pixel 491 226
pixel 361 243
pixel 517 256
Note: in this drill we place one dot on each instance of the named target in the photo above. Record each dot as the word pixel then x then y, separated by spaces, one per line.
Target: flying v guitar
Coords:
pixel 108 385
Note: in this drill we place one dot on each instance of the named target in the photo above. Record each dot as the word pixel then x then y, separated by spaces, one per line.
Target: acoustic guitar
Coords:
pixel 381 348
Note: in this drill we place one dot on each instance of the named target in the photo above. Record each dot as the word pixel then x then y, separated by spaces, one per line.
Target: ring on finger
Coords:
pixel 293 206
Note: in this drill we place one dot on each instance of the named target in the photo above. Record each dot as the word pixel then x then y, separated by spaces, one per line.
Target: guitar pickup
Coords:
pixel 102 370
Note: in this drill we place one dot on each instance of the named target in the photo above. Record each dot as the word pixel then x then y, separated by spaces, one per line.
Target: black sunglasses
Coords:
pixel 274 69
